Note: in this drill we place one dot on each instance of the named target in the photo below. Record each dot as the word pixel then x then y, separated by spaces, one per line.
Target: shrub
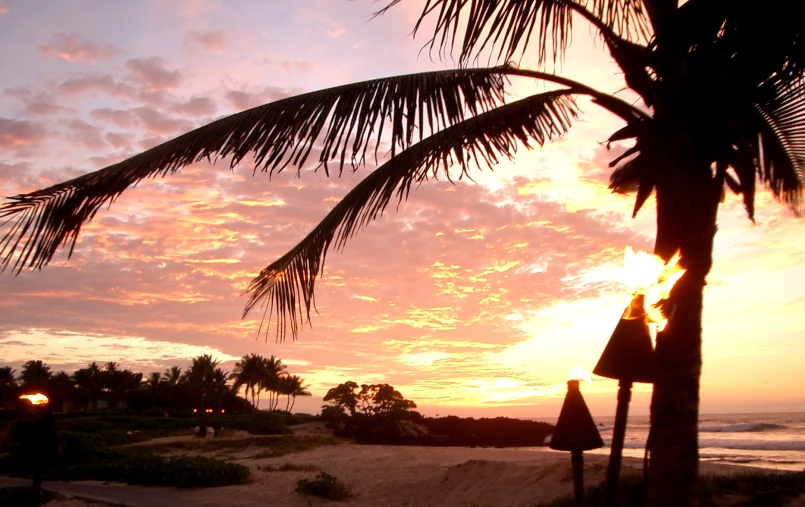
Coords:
pixel 184 472
pixel 325 486
pixel 82 446
pixel 289 467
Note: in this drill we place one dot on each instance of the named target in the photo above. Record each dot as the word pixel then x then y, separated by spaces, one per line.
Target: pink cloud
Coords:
pixel 3 8
pixel 297 66
pixel 119 141
pixel 211 41
pixel 157 122
pixel 148 118
pixel 122 118
pixel 82 133
pixel 73 48
pixel 240 100
pixel 92 82
pixel 44 108
pixel 196 107
pixel 15 133
pixel 153 74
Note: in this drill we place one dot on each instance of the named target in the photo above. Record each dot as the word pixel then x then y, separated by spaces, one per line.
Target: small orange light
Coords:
pixel 194 410
pixel 222 411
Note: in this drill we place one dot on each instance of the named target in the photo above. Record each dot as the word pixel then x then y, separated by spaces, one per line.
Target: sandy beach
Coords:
pixel 387 476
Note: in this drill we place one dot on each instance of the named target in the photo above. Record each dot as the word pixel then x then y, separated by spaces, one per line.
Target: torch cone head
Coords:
pixel 575 429
pixel 629 355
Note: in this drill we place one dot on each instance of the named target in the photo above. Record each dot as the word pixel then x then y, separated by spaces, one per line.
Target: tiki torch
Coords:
pixel 39 442
pixel 575 432
pixel 629 355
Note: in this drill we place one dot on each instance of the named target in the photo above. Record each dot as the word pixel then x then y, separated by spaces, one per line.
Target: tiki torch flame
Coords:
pixel 650 280
pixel 579 373
pixel 36 399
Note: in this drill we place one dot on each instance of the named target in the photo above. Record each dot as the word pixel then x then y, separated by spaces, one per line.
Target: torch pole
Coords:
pixel 618 434
pixel 577 461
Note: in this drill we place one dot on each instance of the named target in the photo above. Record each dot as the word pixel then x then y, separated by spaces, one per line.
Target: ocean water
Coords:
pixel 759 440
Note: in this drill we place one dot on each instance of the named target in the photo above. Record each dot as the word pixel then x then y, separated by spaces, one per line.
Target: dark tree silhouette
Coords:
pixel 721 83
pixel 35 375
pixel 248 373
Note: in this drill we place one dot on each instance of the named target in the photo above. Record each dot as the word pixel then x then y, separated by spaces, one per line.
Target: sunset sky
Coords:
pixel 472 299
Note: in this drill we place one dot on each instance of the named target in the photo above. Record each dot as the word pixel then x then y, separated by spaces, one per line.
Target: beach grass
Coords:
pixel 269 446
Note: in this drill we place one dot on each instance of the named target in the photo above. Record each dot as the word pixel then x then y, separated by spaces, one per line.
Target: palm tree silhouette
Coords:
pixel 199 376
pixel 247 373
pixel 35 375
pixel 292 386
pixel 173 376
pixel 272 372
pixel 721 84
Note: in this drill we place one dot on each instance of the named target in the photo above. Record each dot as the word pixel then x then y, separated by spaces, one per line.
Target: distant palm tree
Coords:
pixel 199 375
pixel 89 381
pixel 153 384
pixel 218 385
pixel 173 376
pixel 35 375
pixel 722 85
pixel 248 373
pixel 8 385
pixel 272 371
pixel 292 386
pixel 7 377
pixel 61 388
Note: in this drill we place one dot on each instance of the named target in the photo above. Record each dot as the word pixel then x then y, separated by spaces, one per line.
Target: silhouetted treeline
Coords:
pixel 203 387
pixel 379 414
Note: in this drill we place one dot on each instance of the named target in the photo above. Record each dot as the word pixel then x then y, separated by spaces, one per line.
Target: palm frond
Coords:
pixel 637 174
pixel 286 286
pixel 508 26
pixel 347 120
pixel 781 160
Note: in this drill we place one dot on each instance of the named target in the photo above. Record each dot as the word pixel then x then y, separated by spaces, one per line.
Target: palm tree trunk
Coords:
pixel 292 404
pixel 687 205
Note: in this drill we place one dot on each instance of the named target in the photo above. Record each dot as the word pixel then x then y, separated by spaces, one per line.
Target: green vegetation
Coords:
pixel 325 486
pixel 751 489
pixel 87 457
pixel 270 447
pixel 184 472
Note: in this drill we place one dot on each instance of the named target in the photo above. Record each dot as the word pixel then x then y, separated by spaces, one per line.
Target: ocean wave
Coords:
pixel 742 428
pixel 743 445
pixel 755 445
pixel 745 459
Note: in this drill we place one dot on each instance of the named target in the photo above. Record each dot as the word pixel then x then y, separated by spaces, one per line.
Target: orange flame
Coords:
pixel 36 399
pixel 579 373
pixel 650 280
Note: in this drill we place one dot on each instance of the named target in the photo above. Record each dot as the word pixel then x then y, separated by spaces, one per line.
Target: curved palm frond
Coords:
pixel 508 26
pixel 286 286
pixel 781 153
pixel 348 121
